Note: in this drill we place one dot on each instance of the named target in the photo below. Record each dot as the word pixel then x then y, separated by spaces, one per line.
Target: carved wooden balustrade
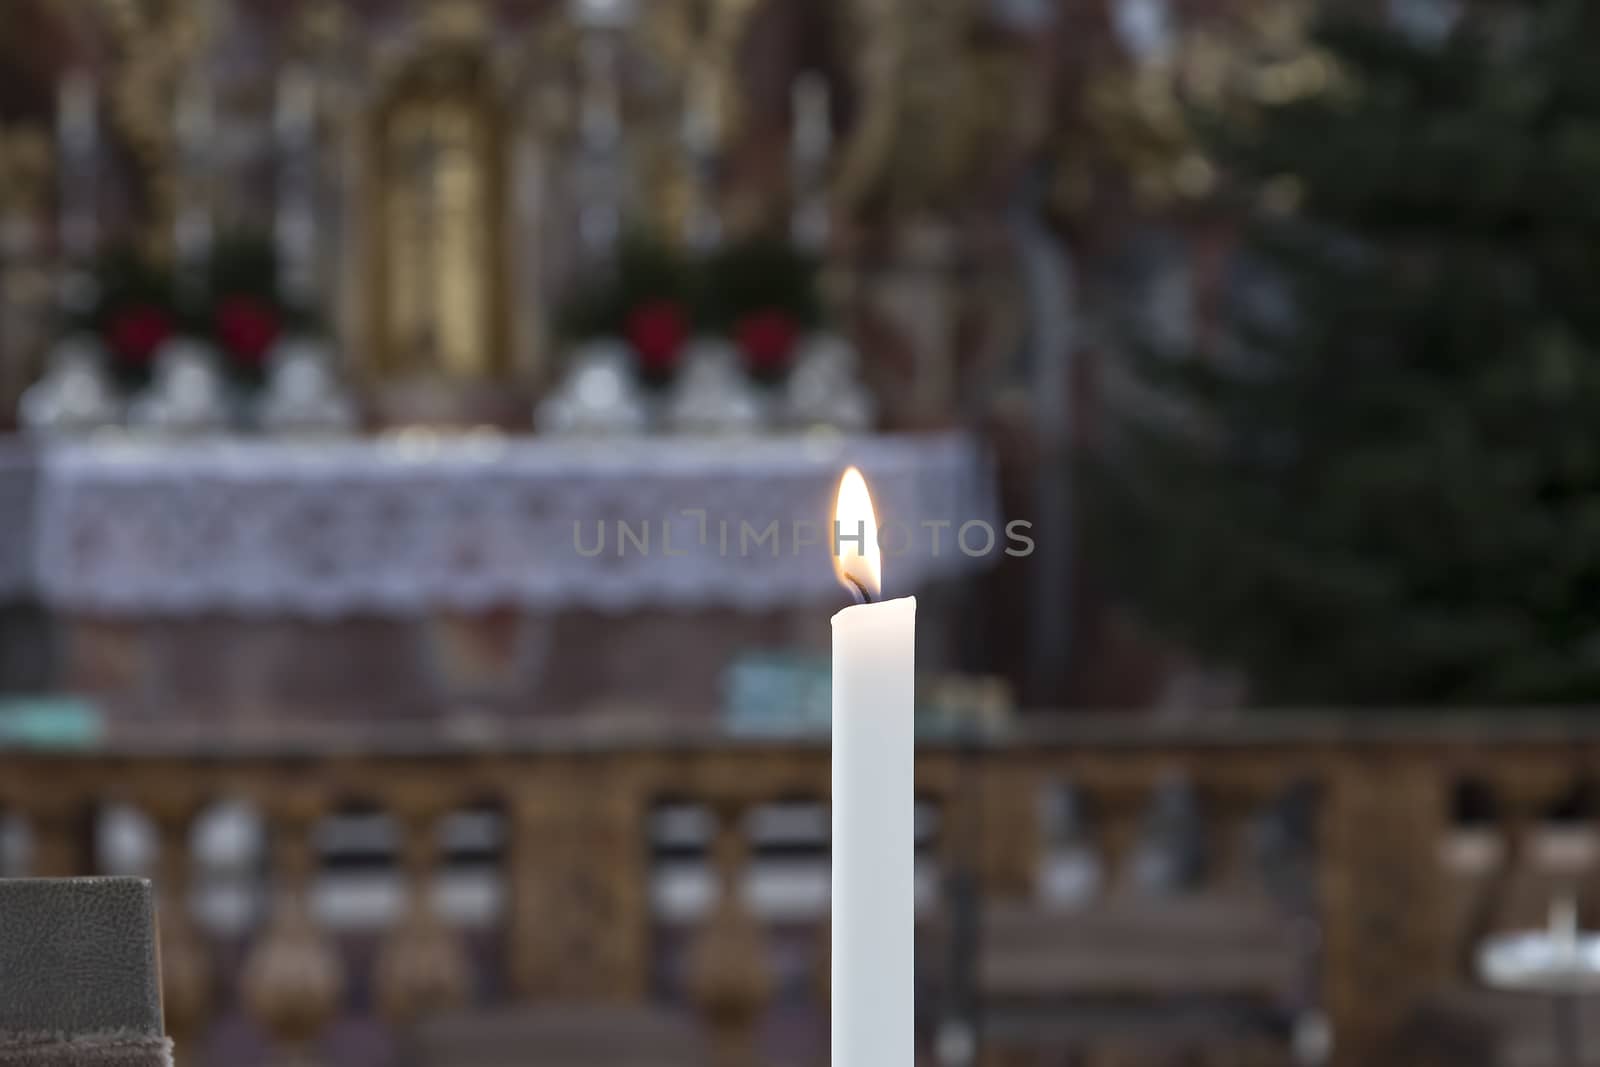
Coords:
pixel 1394 923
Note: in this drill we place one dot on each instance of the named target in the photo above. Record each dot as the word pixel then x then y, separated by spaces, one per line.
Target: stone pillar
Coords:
pixel 729 976
pixel 1386 931
pixel 422 968
pixel 577 868
pixel 186 978
pixel 293 979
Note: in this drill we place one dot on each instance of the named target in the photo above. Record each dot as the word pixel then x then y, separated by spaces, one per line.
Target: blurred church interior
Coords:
pixel 398 380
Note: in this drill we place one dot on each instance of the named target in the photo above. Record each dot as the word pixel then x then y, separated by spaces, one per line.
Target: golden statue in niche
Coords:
pixel 434 207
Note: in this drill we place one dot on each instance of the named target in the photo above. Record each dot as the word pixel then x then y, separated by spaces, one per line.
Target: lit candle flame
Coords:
pixel 855 560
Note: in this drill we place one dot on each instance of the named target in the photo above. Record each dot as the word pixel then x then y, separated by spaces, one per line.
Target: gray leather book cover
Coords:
pixel 80 982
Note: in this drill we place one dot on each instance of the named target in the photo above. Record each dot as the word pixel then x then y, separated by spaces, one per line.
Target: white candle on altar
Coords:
pixel 194 122
pixel 75 135
pixel 873 866
pixel 295 222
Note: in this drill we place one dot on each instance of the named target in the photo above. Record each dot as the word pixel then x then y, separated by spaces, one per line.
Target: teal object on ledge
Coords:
pixel 50 722
pixel 778 694
pixel 790 694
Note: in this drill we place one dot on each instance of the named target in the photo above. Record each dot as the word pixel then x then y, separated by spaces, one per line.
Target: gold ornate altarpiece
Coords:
pixel 434 265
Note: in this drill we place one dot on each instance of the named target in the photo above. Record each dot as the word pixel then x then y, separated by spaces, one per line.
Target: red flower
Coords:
pixel 138 331
pixel 247 327
pixel 767 340
pixel 657 330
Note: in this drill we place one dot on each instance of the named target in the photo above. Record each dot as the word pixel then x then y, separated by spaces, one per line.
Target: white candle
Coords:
pixel 75 132
pixel 75 115
pixel 294 113
pixel 1564 925
pixel 702 133
pixel 809 145
pixel 873 803
pixel 295 222
pixel 194 125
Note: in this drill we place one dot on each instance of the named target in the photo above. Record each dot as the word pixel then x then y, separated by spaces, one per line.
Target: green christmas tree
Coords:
pixel 1383 485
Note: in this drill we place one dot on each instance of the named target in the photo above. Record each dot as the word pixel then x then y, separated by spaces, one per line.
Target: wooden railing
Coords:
pixel 1395 924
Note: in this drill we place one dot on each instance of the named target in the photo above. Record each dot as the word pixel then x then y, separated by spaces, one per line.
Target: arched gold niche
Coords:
pixel 435 211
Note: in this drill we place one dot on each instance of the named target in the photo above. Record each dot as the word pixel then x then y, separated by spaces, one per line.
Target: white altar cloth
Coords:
pixel 412 523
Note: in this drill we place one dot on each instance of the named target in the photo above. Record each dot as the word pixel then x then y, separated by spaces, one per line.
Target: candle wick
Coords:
pixel 858 591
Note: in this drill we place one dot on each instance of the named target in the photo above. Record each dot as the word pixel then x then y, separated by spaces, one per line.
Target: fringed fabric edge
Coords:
pixel 99 1050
